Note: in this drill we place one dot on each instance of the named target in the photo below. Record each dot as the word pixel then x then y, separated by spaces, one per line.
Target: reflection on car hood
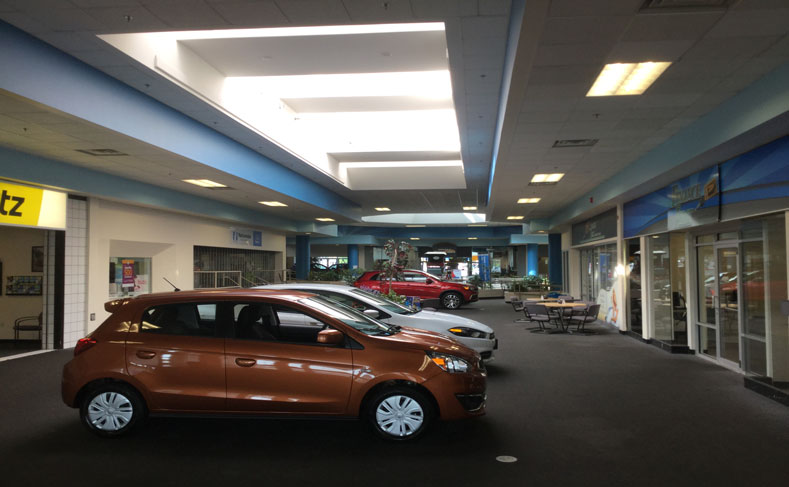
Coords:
pixel 429 340
pixel 451 320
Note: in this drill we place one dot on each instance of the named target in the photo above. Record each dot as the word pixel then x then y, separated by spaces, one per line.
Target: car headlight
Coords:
pixel 467 288
pixel 462 331
pixel 449 363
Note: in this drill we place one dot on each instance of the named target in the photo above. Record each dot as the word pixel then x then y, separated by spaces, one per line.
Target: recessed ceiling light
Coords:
pixel 478 225
pixel 472 238
pixel 626 78
pixel 415 226
pixel 529 200
pixel 469 208
pixel 325 219
pixel 204 183
pixel 272 203
pixel 514 218
pixel 547 178
pixel 382 208
pixel 414 238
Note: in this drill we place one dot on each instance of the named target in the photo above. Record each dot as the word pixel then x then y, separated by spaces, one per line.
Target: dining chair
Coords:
pixel 518 307
pixel 540 315
pixel 589 316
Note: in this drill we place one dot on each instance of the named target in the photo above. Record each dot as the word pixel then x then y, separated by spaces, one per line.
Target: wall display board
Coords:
pixel 600 227
pixel 23 286
pixel 753 183
pixel 246 236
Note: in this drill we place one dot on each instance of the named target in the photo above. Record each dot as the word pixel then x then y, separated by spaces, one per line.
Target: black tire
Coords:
pixel 405 413
pixel 112 409
pixel 451 300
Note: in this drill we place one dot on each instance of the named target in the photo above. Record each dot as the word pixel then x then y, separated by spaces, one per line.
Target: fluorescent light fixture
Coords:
pixel 414 238
pixel 547 178
pixel 469 208
pixel 479 225
pixel 416 226
pixel 514 218
pixel 626 78
pixel 204 183
pixel 380 164
pixel 529 200
pixel 325 219
pixel 382 208
pixel 435 85
pixel 272 203
pixel 472 238
pixel 323 30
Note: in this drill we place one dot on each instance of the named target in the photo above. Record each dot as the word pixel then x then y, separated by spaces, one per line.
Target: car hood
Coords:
pixel 450 320
pixel 428 340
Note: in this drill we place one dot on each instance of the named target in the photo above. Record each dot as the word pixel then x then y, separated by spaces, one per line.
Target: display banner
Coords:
pixel 601 227
pixel 32 207
pixel 689 202
pixel 757 181
pixel 484 267
pixel 128 273
pixel 246 236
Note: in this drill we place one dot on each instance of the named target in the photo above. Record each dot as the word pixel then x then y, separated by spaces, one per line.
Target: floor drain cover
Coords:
pixel 506 459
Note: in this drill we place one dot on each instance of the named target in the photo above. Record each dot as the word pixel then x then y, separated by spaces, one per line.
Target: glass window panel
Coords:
pixel 775 290
pixel 633 270
pixel 752 284
pixel 728 317
pixel 707 341
pixel 679 293
pixel 702 239
pixel 755 357
pixel 660 273
pixel 706 281
pixel 728 236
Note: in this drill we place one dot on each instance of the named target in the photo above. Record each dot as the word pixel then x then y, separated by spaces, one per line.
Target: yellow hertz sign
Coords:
pixel 31 207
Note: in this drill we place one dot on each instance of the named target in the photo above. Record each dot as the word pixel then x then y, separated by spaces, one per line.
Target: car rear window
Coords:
pixel 186 319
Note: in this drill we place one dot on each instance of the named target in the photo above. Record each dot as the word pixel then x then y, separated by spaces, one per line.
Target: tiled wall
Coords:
pixel 48 331
pixel 74 299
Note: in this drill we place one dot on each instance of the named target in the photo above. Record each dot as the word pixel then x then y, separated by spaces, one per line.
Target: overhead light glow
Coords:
pixel 627 78
pixel 204 183
pixel 382 208
pixel 272 203
pixel 479 225
pixel 469 208
pixel 416 226
pixel 547 178
pixel 529 200
pixel 414 238
pixel 514 218
pixel 472 238
pixel 325 219
pixel 321 30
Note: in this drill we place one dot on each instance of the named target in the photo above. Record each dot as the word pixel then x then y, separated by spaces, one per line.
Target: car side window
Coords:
pixel 275 323
pixel 296 326
pixel 346 300
pixel 374 277
pixel 414 277
pixel 185 319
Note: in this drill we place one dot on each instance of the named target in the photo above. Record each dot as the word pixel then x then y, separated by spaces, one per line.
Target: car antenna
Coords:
pixel 170 283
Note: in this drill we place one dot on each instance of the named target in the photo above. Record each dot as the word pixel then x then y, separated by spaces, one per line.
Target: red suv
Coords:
pixel 422 284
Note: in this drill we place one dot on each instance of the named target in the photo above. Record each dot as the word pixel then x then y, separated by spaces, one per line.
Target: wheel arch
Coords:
pixel 80 397
pixel 398 383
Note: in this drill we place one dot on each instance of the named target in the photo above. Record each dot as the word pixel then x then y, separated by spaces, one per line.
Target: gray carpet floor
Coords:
pixel 594 410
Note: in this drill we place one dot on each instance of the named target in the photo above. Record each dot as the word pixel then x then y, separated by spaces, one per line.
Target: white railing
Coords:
pixel 237 279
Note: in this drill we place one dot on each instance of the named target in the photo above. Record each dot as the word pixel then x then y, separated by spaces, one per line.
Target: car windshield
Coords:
pixel 349 316
pixel 384 303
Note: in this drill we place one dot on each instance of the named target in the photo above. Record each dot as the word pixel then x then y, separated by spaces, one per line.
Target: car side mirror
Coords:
pixel 330 337
pixel 372 313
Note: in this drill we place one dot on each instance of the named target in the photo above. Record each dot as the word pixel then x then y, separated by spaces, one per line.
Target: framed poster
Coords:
pixel 23 285
pixel 37 259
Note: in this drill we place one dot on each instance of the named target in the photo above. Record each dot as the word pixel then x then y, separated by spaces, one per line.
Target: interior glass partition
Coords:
pixel 668 291
pixel 597 271
pixel 633 271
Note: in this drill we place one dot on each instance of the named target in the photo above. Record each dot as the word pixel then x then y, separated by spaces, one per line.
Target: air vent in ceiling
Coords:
pixel 101 152
pixel 655 6
pixel 575 143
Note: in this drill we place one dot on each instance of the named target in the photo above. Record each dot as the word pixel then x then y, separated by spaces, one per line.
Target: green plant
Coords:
pixel 350 275
pixel 393 296
pixel 398 260
pixel 475 280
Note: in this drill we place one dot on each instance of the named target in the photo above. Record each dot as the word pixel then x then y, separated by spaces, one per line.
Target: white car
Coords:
pixel 471 333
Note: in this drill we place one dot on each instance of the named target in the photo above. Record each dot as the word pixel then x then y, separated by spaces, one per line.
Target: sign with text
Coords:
pixel 32 207
pixel 247 236
pixel 600 227
pixel 128 273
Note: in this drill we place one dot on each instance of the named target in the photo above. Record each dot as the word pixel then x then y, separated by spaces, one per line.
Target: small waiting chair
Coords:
pixel 518 307
pixel 580 321
pixel 539 314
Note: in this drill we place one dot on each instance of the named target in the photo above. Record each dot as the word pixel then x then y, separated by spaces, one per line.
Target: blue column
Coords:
pixel 555 260
pixel 302 256
pixel 353 256
pixel 532 258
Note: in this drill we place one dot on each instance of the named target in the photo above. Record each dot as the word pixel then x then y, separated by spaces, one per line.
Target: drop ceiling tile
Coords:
pixel 251 14
pixel 494 7
pixel 388 11
pixel 484 27
pixel 436 9
pixel 752 23
pixel 23 21
pixel 666 27
pixel 122 18
pixel 101 58
pixel 105 3
pixel 549 75
pixel 555 91
pixel 185 14
pixel 635 52
pixel 572 8
pixel 482 81
pixel 313 11
pixel 729 47
pixel 576 30
pixel 543 117
pixel 572 54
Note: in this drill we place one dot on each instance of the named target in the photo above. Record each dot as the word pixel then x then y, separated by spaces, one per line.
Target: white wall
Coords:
pixel 118 230
pixel 15 253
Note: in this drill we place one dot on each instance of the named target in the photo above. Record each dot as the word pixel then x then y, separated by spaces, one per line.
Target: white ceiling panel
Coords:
pixel 310 12
pixel 250 13
pixel 667 27
pixel 748 23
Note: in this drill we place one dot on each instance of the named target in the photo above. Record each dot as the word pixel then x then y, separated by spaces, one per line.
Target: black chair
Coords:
pixel 518 307
pixel 540 315
pixel 580 321
pixel 28 323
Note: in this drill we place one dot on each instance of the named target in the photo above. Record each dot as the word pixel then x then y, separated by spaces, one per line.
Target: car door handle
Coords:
pixel 145 354
pixel 245 362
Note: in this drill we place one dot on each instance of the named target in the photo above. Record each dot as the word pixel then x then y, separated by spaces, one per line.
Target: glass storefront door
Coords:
pixel 728 303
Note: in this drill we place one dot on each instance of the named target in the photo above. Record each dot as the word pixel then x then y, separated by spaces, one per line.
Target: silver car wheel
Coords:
pixel 451 301
pixel 110 411
pixel 399 416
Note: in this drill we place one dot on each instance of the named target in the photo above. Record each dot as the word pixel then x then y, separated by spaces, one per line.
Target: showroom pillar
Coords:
pixel 555 259
pixel 302 256
pixel 532 257
pixel 353 256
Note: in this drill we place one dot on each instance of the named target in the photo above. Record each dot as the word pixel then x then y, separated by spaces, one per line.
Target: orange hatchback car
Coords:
pixel 256 352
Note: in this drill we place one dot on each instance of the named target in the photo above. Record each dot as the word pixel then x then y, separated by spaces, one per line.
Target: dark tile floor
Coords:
pixel 594 410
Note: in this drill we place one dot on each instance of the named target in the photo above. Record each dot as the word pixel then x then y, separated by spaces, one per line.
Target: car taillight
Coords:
pixel 83 344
